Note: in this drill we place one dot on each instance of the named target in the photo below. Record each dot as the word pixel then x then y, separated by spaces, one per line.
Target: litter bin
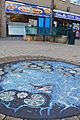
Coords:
pixel 71 37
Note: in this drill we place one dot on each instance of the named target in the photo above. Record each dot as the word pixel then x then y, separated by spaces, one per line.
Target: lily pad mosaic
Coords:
pixel 39 89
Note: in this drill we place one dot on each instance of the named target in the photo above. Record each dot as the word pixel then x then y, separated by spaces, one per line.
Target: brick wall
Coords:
pixel 63 6
pixel 2 19
pixel 39 2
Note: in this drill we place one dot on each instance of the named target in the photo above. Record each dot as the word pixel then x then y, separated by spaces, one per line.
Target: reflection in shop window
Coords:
pixel 77 2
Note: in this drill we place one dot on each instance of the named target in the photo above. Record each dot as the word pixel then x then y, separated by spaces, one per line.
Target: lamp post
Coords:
pixel 52 12
pixel 52 16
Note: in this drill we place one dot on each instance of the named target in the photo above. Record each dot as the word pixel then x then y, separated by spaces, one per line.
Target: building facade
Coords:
pixel 69 6
pixel 67 13
pixel 4 16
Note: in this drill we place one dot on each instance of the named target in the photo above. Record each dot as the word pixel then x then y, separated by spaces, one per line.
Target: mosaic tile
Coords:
pixel 40 89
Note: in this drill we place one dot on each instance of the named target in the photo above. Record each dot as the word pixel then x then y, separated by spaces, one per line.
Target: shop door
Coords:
pixel 41 25
pixel 44 26
pixel 47 26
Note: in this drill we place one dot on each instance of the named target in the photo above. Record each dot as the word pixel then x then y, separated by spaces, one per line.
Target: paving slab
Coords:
pixel 79 117
pixel 2 116
pixel 11 118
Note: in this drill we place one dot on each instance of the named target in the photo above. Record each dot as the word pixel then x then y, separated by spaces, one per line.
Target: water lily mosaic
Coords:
pixel 39 89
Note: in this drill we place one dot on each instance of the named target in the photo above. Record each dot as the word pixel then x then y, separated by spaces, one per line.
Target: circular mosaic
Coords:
pixel 35 101
pixel 39 89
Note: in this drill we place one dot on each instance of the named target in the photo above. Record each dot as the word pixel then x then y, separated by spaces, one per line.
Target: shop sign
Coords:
pixel 69 16
pixel 28 9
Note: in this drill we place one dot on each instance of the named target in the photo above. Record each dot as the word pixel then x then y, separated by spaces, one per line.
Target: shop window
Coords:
pixel 68 9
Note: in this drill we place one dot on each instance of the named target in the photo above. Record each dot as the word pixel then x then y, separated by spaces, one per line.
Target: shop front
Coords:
pixel 65 19
pixel 23 15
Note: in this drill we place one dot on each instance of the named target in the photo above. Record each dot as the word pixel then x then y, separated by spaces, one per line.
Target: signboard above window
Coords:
pixel 66 15
pixel 27 9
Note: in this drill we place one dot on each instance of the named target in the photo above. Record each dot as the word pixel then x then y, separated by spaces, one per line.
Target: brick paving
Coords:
pixel 12 47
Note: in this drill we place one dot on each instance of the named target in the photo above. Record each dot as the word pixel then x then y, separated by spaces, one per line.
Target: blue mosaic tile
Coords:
pixel 39 89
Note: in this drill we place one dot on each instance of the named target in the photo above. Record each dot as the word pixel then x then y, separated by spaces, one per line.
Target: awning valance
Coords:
pixel 27 9
pixel 66 15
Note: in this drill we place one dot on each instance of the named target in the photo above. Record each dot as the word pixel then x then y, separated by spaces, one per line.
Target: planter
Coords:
pixel 38 38
pixel 50 38
pixel 62 39
pixel 28 38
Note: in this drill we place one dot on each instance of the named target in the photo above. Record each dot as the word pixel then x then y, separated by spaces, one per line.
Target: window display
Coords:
pixel 77 2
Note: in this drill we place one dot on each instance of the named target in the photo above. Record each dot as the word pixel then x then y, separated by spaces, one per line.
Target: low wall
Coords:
pixel 60 39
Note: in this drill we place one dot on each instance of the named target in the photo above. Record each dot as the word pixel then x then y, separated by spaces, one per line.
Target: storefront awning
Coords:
pixel 27 9
pixel 66 15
